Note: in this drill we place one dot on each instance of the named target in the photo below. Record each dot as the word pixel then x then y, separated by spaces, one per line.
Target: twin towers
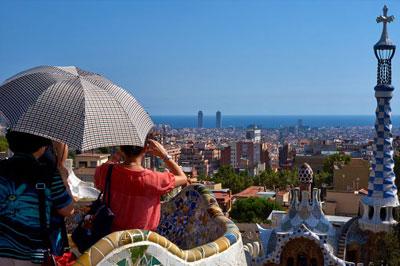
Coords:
pixel 200 119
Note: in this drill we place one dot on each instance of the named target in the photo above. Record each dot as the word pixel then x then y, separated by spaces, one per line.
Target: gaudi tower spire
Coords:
pixel 382 191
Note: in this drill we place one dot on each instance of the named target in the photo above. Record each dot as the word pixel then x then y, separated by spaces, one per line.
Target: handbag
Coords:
pixel 98 221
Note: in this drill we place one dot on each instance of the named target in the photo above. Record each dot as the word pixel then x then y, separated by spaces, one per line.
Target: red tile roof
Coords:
pixel 250 192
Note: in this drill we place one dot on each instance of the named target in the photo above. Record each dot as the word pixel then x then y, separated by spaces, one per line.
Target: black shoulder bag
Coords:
pixel 98 221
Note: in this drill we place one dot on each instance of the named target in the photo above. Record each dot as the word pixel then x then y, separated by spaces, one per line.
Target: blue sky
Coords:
pixel 240 57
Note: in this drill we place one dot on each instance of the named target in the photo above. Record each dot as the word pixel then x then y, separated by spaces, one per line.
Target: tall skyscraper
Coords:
pixel 200 119
pixel 218 120
pixel 283 155
pixel 382 197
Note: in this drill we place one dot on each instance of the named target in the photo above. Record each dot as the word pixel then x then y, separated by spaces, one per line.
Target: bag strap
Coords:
pixel 44 227
pixel 64 236
pixel 64 233
pixel 107 186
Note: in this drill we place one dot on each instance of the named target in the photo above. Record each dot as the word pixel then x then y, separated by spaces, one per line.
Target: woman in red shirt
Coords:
pixel 136 191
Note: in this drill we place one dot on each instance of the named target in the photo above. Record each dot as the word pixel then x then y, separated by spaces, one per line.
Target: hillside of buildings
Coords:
pixel 232 160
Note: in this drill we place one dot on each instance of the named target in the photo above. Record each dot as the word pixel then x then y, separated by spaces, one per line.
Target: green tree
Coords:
pixel 203 177
pixel 287 178
pixel 253 210
pixel 3 143
pixel 388 248
pixel 227 176
pixel 71 154
pixel 273 180
pixel 330 162
pixel 246 179
pixel 322 178
pixel 268 179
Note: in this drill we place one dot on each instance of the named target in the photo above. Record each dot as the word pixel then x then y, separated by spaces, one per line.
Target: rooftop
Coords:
pixel 254 191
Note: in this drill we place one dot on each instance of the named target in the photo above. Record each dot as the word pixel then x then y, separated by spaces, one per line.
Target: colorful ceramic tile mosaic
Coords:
pixel 193 219
pixel 184 221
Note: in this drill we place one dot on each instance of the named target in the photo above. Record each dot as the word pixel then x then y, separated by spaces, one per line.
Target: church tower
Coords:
pixel 382 198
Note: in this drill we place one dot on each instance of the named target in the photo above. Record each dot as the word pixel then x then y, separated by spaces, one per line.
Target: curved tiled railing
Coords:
pixel 196 225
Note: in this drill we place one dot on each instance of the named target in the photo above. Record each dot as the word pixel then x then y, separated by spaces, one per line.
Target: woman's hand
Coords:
pixel 156 148
pixel 61 152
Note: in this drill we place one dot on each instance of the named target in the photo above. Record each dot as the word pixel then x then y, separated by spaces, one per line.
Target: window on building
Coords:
pixel 352 255
pixel 93 164
pixel 314 262
pixel 383 214
pixel 370 212
pixel 302 260
pixel 82 164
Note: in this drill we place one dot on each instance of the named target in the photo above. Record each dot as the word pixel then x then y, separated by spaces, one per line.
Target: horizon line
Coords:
pixel 266 115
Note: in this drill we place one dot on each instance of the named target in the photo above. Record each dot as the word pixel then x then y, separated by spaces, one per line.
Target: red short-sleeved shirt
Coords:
pixel 135 195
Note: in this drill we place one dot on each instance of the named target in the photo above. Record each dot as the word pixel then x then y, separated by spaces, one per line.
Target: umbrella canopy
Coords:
pixel 70 105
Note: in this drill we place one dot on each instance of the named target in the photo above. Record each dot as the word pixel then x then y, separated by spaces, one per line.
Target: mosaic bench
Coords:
pixel 192 231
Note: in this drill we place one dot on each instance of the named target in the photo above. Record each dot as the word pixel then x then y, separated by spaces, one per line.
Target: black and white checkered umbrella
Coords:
pixel 77 107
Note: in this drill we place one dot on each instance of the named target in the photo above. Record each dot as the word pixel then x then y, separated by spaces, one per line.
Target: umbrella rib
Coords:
pixel 116 99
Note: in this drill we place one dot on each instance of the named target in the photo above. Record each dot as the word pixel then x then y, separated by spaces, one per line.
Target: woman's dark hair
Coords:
pixel 131 151
pixel 20 142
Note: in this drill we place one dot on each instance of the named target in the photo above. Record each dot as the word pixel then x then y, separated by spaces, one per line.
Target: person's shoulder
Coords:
pixel 103 167
pixel 106 164
pixel 150 172
pixel 158 174
pixel 147 175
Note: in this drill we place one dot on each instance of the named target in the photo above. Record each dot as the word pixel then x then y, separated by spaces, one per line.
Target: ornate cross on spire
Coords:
pixel 384 42
pixel 385 19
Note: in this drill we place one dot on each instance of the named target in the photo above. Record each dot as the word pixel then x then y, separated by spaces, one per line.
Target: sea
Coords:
pixel 266 121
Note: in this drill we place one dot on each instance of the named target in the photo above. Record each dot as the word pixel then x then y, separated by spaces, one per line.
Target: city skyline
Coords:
pixel 258 58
